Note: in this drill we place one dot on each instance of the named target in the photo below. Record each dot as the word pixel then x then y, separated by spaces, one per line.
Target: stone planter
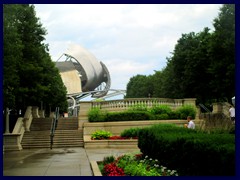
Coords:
pixel 95 169
pixel 116 144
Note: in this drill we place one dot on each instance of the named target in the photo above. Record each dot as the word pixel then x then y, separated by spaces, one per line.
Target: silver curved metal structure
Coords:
pixel 82 73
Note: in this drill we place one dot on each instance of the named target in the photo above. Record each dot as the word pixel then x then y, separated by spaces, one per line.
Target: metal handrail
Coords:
pixel 54 126
pixel 205 108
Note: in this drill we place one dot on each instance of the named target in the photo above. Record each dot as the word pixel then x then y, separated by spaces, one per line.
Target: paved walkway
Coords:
pixel 55 162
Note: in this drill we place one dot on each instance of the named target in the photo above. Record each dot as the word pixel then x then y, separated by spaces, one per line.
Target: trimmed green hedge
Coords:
pixel 96 115
pixel 190 152
pixel 132 132
pixel 127 116
pixel 160 112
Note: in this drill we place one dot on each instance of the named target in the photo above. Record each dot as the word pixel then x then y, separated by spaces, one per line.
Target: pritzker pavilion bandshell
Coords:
pixel 83 74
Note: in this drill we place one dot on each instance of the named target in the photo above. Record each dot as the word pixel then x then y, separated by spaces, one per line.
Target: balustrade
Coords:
pixel 124 104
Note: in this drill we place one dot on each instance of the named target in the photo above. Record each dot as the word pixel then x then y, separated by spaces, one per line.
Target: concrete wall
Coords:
pixel 117 127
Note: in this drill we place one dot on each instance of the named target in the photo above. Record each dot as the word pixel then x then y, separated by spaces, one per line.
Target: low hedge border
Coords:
pixel 162 112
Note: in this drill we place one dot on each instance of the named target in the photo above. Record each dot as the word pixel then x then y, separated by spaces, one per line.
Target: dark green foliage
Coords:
pixel 222 53
pixel 95 115
pixel 160 109
pixel 163 116
pixel 127 116
pixel 108 159
pixel 162 112
pixel 30 76
pixel 190 152
pixel 140 86
pixel 132 132
pixel 202 65
pixel 185 111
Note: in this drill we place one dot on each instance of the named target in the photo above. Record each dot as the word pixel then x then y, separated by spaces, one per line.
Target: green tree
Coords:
pixel 30 77
pixel 139 86
pixel 190 62
pixel 202 65
pixel 12 52
pixel 222 67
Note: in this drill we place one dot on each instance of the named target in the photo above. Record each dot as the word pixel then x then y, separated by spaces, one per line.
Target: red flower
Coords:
pixel 113 170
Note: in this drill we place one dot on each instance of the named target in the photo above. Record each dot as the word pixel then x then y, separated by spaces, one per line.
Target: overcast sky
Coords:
pixel 129 39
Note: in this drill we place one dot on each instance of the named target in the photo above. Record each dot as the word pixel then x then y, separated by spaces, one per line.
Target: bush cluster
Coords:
pixel 157 112
pixel 130 133
pixel 101 134
pixel 190 152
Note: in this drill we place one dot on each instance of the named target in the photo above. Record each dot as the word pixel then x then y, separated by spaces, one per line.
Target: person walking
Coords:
pixel 232 114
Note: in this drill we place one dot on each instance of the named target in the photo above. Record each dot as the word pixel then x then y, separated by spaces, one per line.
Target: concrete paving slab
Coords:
pixel 46 162
pixel 55 162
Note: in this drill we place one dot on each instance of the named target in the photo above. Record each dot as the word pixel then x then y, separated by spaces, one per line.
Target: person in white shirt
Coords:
pixel 232 114
pixel 191 124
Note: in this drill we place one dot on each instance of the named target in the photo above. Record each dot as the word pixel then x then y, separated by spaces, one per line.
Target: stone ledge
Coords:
pixel 117 127
pixel 95 169
pixel 119 144
pixel 11 142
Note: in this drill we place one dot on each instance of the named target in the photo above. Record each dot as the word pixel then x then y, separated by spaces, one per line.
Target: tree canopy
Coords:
pixel 30 76
pixel 202 65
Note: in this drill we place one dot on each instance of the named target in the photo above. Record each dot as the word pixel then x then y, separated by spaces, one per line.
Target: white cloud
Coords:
pixel 122 69
pixel 130 39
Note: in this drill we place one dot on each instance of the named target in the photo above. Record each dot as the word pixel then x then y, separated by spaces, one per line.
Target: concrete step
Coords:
pixel 54 146
pixel 59 140
pixel 66 134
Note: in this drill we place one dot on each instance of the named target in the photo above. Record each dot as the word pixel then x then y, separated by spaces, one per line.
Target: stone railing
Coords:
pixel 12 141
pixel 124 104
pixel 222 107
pixel 28 118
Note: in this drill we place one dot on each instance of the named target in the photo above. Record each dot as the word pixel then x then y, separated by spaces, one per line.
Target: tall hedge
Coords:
pixel 190 152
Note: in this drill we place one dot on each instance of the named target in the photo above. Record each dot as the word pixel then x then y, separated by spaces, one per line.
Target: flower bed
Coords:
pixel 105 139
pixel 110 143
pixel 133 165
pixel 103 135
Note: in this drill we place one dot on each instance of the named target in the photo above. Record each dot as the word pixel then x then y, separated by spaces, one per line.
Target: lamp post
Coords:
pixel 233 101
pixel 7 121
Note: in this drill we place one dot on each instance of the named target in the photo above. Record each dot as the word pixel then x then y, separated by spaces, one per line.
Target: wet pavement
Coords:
pixel 55 162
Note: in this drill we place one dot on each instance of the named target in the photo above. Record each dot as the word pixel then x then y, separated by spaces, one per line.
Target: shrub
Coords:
pixel 161 116
pixel 101 134
pixel 132 132
pixel 108 159
pixel 127 116
pixel 174 115
pixel 186 150
pixel 185 111
pixel 160 109
pixel 140 112
pixel 95 115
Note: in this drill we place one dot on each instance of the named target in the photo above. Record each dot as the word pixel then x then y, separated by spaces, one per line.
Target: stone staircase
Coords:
pixel 67 134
